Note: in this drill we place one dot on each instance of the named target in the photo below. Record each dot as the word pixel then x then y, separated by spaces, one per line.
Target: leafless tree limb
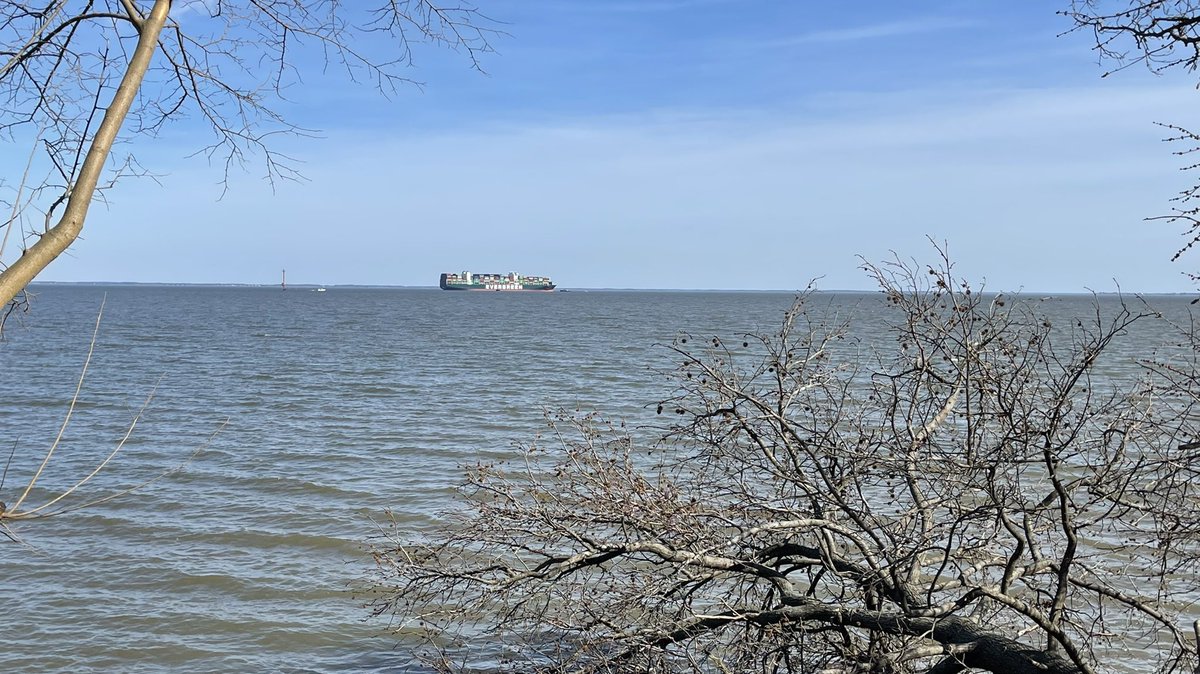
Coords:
pixel 78 76
pixel 1162 35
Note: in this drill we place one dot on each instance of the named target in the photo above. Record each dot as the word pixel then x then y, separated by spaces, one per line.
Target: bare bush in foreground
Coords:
pixel 973 497
pixel 25 506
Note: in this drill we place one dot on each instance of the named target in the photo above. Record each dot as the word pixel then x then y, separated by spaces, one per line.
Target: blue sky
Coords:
pixel 738 144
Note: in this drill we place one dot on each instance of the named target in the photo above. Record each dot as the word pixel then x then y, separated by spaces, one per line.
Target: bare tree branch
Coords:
pixel 972 498
pixel 227 65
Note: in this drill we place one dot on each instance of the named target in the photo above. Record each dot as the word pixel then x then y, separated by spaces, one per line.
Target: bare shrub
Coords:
pixel 974 496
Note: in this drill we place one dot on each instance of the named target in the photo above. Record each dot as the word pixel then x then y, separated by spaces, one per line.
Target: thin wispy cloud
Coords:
pixel 649 143
pixel 201 8
pixel 773 197
pixel 876 31
pixel 632 6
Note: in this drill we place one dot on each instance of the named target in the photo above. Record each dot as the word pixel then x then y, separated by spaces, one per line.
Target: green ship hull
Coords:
pixel 511 282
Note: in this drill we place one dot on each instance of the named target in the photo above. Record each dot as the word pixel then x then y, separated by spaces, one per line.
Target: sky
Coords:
pixel 692 144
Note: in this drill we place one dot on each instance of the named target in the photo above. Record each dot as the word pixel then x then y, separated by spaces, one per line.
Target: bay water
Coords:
pixel 313 413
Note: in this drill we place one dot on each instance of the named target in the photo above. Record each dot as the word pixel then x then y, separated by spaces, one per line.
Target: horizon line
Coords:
pixel 307 285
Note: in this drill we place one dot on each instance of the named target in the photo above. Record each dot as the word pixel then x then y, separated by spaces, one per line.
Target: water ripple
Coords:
pixel 332 407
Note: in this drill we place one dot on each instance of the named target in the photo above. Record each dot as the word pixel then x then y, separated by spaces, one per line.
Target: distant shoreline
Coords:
pixel 350 286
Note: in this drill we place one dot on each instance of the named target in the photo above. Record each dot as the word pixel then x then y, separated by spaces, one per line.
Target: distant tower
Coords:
pixel 283 283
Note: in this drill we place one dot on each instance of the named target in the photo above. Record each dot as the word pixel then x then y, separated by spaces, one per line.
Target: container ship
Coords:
pixel 511 281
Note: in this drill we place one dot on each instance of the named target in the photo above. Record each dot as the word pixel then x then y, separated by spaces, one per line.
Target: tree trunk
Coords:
pixel 59 237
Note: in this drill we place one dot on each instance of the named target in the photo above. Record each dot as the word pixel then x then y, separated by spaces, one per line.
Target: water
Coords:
pixel 327 408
